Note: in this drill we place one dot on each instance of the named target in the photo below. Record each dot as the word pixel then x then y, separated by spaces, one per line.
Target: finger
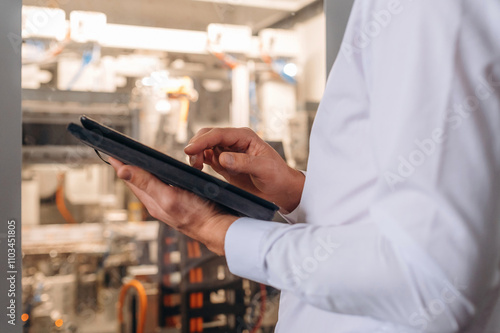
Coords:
pixel 200 133
pixel 212 159
pixel 115 163
pixel 237 138
pixel 147 183
pixel 208 155
pixel 151 204
pixel 248 164
pixel 125 174
pixel 197 160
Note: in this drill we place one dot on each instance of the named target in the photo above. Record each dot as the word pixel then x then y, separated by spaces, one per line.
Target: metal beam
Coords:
pixel 284 5
pixel 72 155
pixel 75 96
pixel 288 20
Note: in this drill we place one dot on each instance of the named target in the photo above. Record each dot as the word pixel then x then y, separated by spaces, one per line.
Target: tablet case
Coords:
pixel 171 171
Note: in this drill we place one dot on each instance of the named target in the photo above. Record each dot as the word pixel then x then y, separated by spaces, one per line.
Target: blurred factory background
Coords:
pixel 157 70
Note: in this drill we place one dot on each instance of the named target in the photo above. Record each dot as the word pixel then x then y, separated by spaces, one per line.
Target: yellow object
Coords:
pixel 135 209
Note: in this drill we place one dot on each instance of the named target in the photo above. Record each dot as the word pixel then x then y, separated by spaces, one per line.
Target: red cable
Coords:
pixel 263 294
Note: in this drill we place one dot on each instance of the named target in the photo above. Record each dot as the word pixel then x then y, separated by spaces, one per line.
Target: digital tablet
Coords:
pixel 171 171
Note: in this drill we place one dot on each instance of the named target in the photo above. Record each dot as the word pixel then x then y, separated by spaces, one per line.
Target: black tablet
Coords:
pixel 171 171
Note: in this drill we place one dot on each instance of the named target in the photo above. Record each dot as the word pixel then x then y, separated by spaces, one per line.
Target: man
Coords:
pixel 401 201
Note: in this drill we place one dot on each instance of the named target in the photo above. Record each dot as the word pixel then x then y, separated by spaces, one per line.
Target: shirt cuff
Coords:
pixel 297 215
pixel 243 248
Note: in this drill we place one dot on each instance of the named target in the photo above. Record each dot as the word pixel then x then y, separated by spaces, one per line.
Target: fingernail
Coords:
pixel 228 159
pixel 126 175
pixel 192 159
pixel 189 145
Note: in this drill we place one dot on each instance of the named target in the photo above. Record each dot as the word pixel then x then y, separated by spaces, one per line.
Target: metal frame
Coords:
pixel 75 96
pixel 290 6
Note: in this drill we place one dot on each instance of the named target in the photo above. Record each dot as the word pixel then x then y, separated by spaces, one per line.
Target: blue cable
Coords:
pixel 86 60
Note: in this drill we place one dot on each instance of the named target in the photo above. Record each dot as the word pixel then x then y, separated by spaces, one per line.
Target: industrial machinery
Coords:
pixel 93 259
pixel 198 293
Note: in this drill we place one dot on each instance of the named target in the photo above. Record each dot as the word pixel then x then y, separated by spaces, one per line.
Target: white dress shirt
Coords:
pixel 401 202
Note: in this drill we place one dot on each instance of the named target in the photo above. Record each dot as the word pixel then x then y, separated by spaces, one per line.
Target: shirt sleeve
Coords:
pixel 428 258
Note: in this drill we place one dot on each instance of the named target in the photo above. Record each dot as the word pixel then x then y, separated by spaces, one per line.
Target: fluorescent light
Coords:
pixel 290 69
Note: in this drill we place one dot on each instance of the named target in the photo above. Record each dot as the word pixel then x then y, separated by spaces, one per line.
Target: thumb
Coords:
pixel 243 163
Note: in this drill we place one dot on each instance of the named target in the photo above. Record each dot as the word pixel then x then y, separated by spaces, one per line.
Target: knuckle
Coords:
pixel 204 130
pixel 201 132
pixel 247 130
pixel 217 134
pixel 217 131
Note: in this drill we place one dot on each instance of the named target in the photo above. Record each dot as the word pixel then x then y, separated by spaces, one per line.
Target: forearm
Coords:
pixel 351 270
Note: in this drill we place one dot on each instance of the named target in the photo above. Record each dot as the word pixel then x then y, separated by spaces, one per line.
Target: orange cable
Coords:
pixel 61 204
pixel 143 301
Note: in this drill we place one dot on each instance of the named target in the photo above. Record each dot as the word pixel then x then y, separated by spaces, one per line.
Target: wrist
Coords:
pixel 293 192
pixel 213 232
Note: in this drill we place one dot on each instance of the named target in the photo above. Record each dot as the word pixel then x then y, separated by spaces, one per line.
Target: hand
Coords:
pixel 245 160
pixel 182 210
